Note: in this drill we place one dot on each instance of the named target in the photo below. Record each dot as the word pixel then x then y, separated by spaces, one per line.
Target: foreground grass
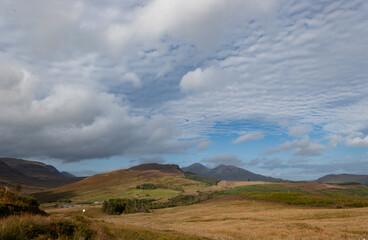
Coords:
pixel 46 227
pixel 77 227
pixel 129 232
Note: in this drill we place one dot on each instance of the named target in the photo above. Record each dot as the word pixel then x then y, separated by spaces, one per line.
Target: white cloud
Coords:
pixel 249 137
pixel 226 159
pixel 201 80
pixel 298 131
pixel 132 78
pixel 207 26
pixel 75 121
pixel 303 147
pixel 357 141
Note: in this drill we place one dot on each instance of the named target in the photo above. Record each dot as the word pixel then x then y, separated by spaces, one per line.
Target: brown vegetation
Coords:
pixel 234 217
pixel 120 183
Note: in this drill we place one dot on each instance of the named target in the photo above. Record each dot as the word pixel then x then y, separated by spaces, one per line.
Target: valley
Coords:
pixel 155 201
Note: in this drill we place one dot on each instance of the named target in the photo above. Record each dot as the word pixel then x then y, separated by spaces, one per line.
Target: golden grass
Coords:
pixel 234 218
pixel 237 219
pixel 28 226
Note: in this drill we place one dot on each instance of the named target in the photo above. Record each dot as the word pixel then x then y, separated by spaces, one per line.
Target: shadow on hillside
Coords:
pixel 48 196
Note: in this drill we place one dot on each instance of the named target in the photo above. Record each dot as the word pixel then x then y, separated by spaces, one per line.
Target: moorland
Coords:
pixel 164 202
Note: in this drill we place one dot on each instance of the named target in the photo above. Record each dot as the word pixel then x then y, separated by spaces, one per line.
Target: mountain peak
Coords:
pixel 226 172
pixel 31 174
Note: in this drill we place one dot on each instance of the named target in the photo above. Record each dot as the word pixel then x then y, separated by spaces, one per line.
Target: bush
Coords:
pixel 12 203
pixel 119 206
pixel 43 227
pixel 146 186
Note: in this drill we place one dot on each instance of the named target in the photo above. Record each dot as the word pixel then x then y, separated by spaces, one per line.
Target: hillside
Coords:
pixel 344 178
pixel 32 175
pixel 227 172
pixel 123 184
pixel 165 168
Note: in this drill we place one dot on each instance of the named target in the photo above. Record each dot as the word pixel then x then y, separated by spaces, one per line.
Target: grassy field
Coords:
pixel 237 210
pixel 234 218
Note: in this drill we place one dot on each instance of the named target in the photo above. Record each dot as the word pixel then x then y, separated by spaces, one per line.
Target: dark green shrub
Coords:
pixel 119 206
pixel 62 228
pixel 146 186
pixel 13 203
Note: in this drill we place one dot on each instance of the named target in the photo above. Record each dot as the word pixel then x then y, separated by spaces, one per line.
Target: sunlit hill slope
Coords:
pixel 170 180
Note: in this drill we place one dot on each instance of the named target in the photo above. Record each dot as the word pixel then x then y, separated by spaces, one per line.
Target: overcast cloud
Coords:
pixel 86 80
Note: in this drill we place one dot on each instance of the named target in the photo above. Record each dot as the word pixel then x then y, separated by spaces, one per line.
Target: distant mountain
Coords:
pixel 32 168
pixel 227 172
pixel 10 174
pixel 165 168
pixel 67 174
pixel 198 168
pixel 32 175
pixel 344 178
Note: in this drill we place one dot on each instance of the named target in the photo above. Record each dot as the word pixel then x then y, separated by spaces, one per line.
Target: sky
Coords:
pixel 277 87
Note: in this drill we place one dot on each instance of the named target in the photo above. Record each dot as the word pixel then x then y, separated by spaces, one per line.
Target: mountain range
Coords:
pixel 32 175
pixel 227 172
pixel 344 178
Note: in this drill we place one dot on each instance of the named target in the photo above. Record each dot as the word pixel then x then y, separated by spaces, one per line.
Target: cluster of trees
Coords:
pixel 150 186
pixel 146 186
pixel 120 206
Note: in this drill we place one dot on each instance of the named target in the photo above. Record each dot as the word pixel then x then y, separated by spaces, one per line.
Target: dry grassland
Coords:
pixel 233 218
pixel 232 184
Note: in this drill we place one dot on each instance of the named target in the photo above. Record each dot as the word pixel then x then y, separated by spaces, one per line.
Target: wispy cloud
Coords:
pixel 249 137
pixel 303 147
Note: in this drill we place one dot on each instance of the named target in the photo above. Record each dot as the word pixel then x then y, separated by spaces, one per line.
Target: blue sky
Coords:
pixel 276 87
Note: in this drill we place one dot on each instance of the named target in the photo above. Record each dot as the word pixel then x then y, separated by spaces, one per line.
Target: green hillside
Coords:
pixel 122 184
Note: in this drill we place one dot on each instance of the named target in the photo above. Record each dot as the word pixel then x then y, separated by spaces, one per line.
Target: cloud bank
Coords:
pixel 82 80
